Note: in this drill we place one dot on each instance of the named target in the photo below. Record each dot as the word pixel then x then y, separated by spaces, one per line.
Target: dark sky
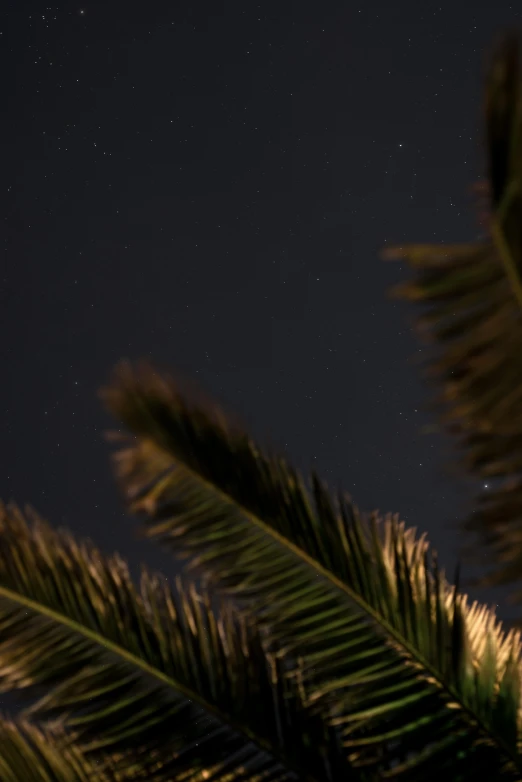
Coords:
pixel 209 184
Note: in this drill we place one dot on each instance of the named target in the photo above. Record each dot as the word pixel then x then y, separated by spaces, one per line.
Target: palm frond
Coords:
pixel 158 677
pixel 416 680
pixel 473 317
pixel 35 754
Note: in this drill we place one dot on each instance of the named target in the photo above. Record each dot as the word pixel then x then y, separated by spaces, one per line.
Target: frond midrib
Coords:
pixel 330 577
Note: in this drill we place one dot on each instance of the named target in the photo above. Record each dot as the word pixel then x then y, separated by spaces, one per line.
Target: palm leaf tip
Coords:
pixel 351 607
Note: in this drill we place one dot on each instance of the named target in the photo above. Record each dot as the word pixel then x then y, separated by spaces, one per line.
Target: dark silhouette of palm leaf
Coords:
pixel 157 678
pixel 417 681
pixel 474 320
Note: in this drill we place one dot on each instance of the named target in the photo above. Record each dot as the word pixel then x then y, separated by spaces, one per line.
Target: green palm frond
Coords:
pixel 473 317
pixel 34 754
pixel 157 677
pixel 416 680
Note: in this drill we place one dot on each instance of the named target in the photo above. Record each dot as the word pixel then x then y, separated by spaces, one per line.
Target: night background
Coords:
pixel 209 184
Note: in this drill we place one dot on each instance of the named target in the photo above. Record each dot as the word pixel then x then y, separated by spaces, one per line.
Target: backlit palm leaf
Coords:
pixel 417 681
pixel 474 319
pixel 154 677
pixel 31 754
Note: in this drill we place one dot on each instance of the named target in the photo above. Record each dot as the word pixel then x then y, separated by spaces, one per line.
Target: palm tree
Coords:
pixel 473 316
pixel 319 645
pixel 304 640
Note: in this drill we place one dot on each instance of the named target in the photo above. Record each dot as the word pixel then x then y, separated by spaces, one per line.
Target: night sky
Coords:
pixel 208 184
